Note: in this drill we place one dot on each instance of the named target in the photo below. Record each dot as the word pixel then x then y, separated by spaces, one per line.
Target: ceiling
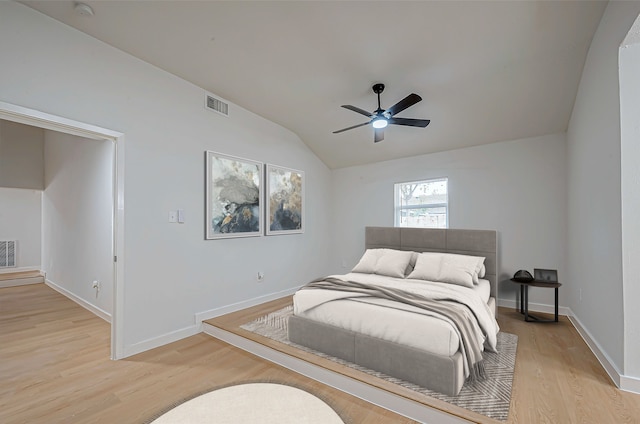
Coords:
pixel 487 71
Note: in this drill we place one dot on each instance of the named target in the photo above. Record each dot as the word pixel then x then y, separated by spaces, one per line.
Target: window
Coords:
pixel 422 204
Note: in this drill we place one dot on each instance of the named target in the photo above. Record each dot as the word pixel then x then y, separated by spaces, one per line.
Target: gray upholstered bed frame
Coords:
pixel 465 242
pixel 435 372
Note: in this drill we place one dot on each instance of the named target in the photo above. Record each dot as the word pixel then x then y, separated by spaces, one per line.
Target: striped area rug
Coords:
pixel 490 397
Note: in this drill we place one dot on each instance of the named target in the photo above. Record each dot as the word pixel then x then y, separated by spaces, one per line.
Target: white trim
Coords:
pixel 623 382
pixel 216 312
pixel 630 384
pixel 155 342
pixel 535 307
pixel 45 120
pixel 20 269
pixel 600 354
pixel 371 394
pixel 80 301
pixel 117 323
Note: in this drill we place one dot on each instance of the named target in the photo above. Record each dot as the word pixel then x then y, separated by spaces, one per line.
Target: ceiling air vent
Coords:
pixel 216 105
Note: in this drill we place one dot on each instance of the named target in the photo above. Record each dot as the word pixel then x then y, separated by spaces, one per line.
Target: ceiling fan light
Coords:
pixel 379 123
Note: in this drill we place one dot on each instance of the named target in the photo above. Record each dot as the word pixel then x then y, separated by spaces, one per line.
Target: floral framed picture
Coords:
pixel 233 196
pixel 285 201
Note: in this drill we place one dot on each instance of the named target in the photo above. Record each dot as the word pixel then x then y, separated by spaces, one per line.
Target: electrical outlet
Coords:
pixel 173 216
pixel 96 285
pixel 260 276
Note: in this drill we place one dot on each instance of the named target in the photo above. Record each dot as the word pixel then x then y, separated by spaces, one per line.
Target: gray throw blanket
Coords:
pixel 459 314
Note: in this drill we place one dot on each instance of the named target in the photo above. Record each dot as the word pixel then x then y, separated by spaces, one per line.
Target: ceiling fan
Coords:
pixel 380 118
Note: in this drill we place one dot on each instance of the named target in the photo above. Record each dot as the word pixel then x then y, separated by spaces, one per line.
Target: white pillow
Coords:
pixel 389 262
pixel 483 271
pixel 448 268
pixel 367 264
pixel 427 267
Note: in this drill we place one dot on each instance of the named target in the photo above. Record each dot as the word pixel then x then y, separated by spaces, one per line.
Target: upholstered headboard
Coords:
pixel 465 242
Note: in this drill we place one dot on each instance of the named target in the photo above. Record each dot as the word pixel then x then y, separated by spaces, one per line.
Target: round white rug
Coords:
pixel 263 403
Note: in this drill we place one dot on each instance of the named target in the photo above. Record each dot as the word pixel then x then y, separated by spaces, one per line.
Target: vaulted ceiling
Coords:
pixel 487 71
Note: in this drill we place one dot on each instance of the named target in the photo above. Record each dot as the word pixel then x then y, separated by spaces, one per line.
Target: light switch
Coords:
pixel 181 216
pixel 173 216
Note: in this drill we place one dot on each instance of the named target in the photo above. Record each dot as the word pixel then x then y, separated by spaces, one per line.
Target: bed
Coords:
pixel 401 340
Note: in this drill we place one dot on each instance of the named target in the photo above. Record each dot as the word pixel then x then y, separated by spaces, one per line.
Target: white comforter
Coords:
pixel 305 301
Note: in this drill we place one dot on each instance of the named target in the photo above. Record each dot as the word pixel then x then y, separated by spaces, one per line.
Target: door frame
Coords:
pixel 36 118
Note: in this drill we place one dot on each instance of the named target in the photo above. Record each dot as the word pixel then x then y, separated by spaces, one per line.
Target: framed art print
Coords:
pixel 285 200
pixel 233 196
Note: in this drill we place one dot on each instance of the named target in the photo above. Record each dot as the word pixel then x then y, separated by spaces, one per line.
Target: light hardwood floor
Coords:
pixel 17 275
pixel 12 279
pixel 557 379
pixel 54 368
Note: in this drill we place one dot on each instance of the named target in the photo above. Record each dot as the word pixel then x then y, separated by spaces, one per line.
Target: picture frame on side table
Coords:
pixel 233 197
pixel 545 275
pixel 284 200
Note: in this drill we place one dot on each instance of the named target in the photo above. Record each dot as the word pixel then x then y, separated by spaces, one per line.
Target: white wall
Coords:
pixel 77 211
pixel 21 219
pixel 630 155
pixel 21 155
pixel 171 272
pixel 516 187
pixel 593 147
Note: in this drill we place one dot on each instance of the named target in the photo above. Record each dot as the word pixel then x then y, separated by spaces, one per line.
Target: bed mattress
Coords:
pixel 385 319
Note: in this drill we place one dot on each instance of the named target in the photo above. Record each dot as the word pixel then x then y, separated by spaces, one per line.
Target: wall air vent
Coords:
pixel 216 105
pixel 7 254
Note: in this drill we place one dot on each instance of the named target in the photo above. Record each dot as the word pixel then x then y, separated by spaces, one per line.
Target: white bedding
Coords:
pixel 403 324
pixel 483 288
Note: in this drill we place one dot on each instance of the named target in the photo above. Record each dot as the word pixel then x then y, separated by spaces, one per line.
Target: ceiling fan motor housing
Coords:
pixel 378 88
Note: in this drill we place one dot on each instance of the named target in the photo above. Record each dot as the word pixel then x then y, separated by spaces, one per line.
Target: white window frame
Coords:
pixel 397 203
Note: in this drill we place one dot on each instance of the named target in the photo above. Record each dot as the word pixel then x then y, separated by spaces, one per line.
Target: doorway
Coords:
pixel 47 121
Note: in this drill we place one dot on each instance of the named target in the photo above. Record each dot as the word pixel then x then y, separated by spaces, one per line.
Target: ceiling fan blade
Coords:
pixel 409 122
pixel 358 110
pixel 408 101
pixel 350 128
pixel 378 134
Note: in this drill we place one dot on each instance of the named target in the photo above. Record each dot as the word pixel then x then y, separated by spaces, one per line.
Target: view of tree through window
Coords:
pixel 422 204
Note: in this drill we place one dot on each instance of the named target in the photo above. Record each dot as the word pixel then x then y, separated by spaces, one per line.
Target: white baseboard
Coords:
pixel 198 318
pixel 20 269
pixel 626 383
pixel 160 341
pixel 535 307
pixel 630 384
pixel 371 394
pixel 212 313
pixel 603 358
pixel 137 347
pixel 80 301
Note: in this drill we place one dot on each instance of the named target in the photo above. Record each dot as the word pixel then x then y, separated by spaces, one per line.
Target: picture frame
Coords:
pixel 545 275
pixel 233 199
pixel 285 192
